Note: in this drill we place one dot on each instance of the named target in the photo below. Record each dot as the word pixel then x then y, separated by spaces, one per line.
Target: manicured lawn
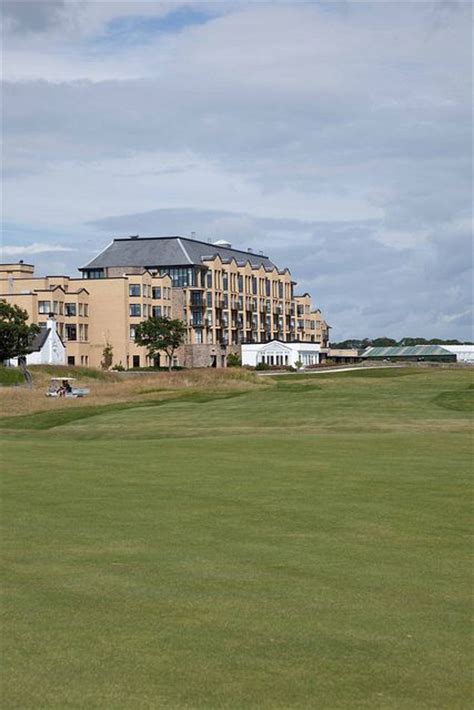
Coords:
pixel 302 546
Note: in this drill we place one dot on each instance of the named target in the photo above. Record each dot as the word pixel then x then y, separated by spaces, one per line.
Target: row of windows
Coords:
pixel 71 360
pixel 74 332
pixel 155 292
pixel 60 308
pixel 182 277
pixel 253 284
pixel 136 311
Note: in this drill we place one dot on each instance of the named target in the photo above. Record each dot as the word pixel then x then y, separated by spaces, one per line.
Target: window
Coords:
pixel 71 332
pixel 56 307
pixel 209 300
pixel 180 276
pixel 209 279
pixel 198 337
pixel 225 282
pixel 156 311
pixel 136 361
pixel 86 311
pixel 196 298
pixel 135 310
pixel 240 283
pixel 196 319
pixel 81 309
pixel 157 292
pixel 70 309
pixel 94 274
pixel 145 310
pixel 132 332
pixel 134 290
pixel 71 360
pixel 44 306
pixel 86 332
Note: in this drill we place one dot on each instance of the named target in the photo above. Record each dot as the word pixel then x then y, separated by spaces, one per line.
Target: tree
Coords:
pixel 107 357
pixel 161 333
pixel 383 342
pixel 15 333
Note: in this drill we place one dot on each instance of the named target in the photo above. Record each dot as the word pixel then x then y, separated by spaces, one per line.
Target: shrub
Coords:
pixel 107 357
pixel 262 366
pixel 233 360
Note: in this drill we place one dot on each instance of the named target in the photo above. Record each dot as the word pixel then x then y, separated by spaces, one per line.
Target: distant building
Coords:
pixel 226 297
pixel 464 353
pixel 279 354
pixel 414 353
pixel 46 348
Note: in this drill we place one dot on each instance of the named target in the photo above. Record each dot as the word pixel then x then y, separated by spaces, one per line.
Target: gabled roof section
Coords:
pixel 168 251
pixel 39 340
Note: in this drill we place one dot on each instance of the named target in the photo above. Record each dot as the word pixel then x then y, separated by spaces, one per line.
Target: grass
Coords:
pixel 10 376
pixel 301 545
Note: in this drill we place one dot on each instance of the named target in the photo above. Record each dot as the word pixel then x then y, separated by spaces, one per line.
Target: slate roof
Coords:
pixel 39 340
pixel 407 351
pixel 168 251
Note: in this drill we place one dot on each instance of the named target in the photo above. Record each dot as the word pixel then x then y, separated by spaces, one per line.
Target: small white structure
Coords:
pixel 277 353
pixel 46 348
pixel 464 353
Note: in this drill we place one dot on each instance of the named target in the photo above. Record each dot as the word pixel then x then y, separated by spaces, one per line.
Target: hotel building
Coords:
pixel 226 297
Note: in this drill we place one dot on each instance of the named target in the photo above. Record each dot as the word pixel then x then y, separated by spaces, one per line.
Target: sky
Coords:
pixel 334 136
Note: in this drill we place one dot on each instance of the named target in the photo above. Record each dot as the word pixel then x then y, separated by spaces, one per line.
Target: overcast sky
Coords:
pixel 335 136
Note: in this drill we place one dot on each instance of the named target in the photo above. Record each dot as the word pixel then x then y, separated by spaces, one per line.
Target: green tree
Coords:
pixel 383 342
pixel 233 360
pixel 15 333
pixel 161 334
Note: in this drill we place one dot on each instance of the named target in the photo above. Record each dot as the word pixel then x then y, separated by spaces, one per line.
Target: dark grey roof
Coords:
pixel 168 251
pixel 39 340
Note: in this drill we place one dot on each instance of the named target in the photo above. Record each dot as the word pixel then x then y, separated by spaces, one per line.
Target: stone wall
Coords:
pixel 205 355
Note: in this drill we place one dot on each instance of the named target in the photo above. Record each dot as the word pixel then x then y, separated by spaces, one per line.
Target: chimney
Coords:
pixel 51 323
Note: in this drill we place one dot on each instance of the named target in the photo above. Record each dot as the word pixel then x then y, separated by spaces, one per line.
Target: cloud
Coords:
pixel 336 136
pixel 36 248
pixel 27 16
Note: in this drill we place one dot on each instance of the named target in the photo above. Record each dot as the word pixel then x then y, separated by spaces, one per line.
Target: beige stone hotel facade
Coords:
pixel 225 296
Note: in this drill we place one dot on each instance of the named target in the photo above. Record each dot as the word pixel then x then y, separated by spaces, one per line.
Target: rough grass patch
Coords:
pixel 10 376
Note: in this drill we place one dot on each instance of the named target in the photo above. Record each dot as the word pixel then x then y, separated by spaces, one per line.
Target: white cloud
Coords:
pixel 35 248
pixel 270 114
